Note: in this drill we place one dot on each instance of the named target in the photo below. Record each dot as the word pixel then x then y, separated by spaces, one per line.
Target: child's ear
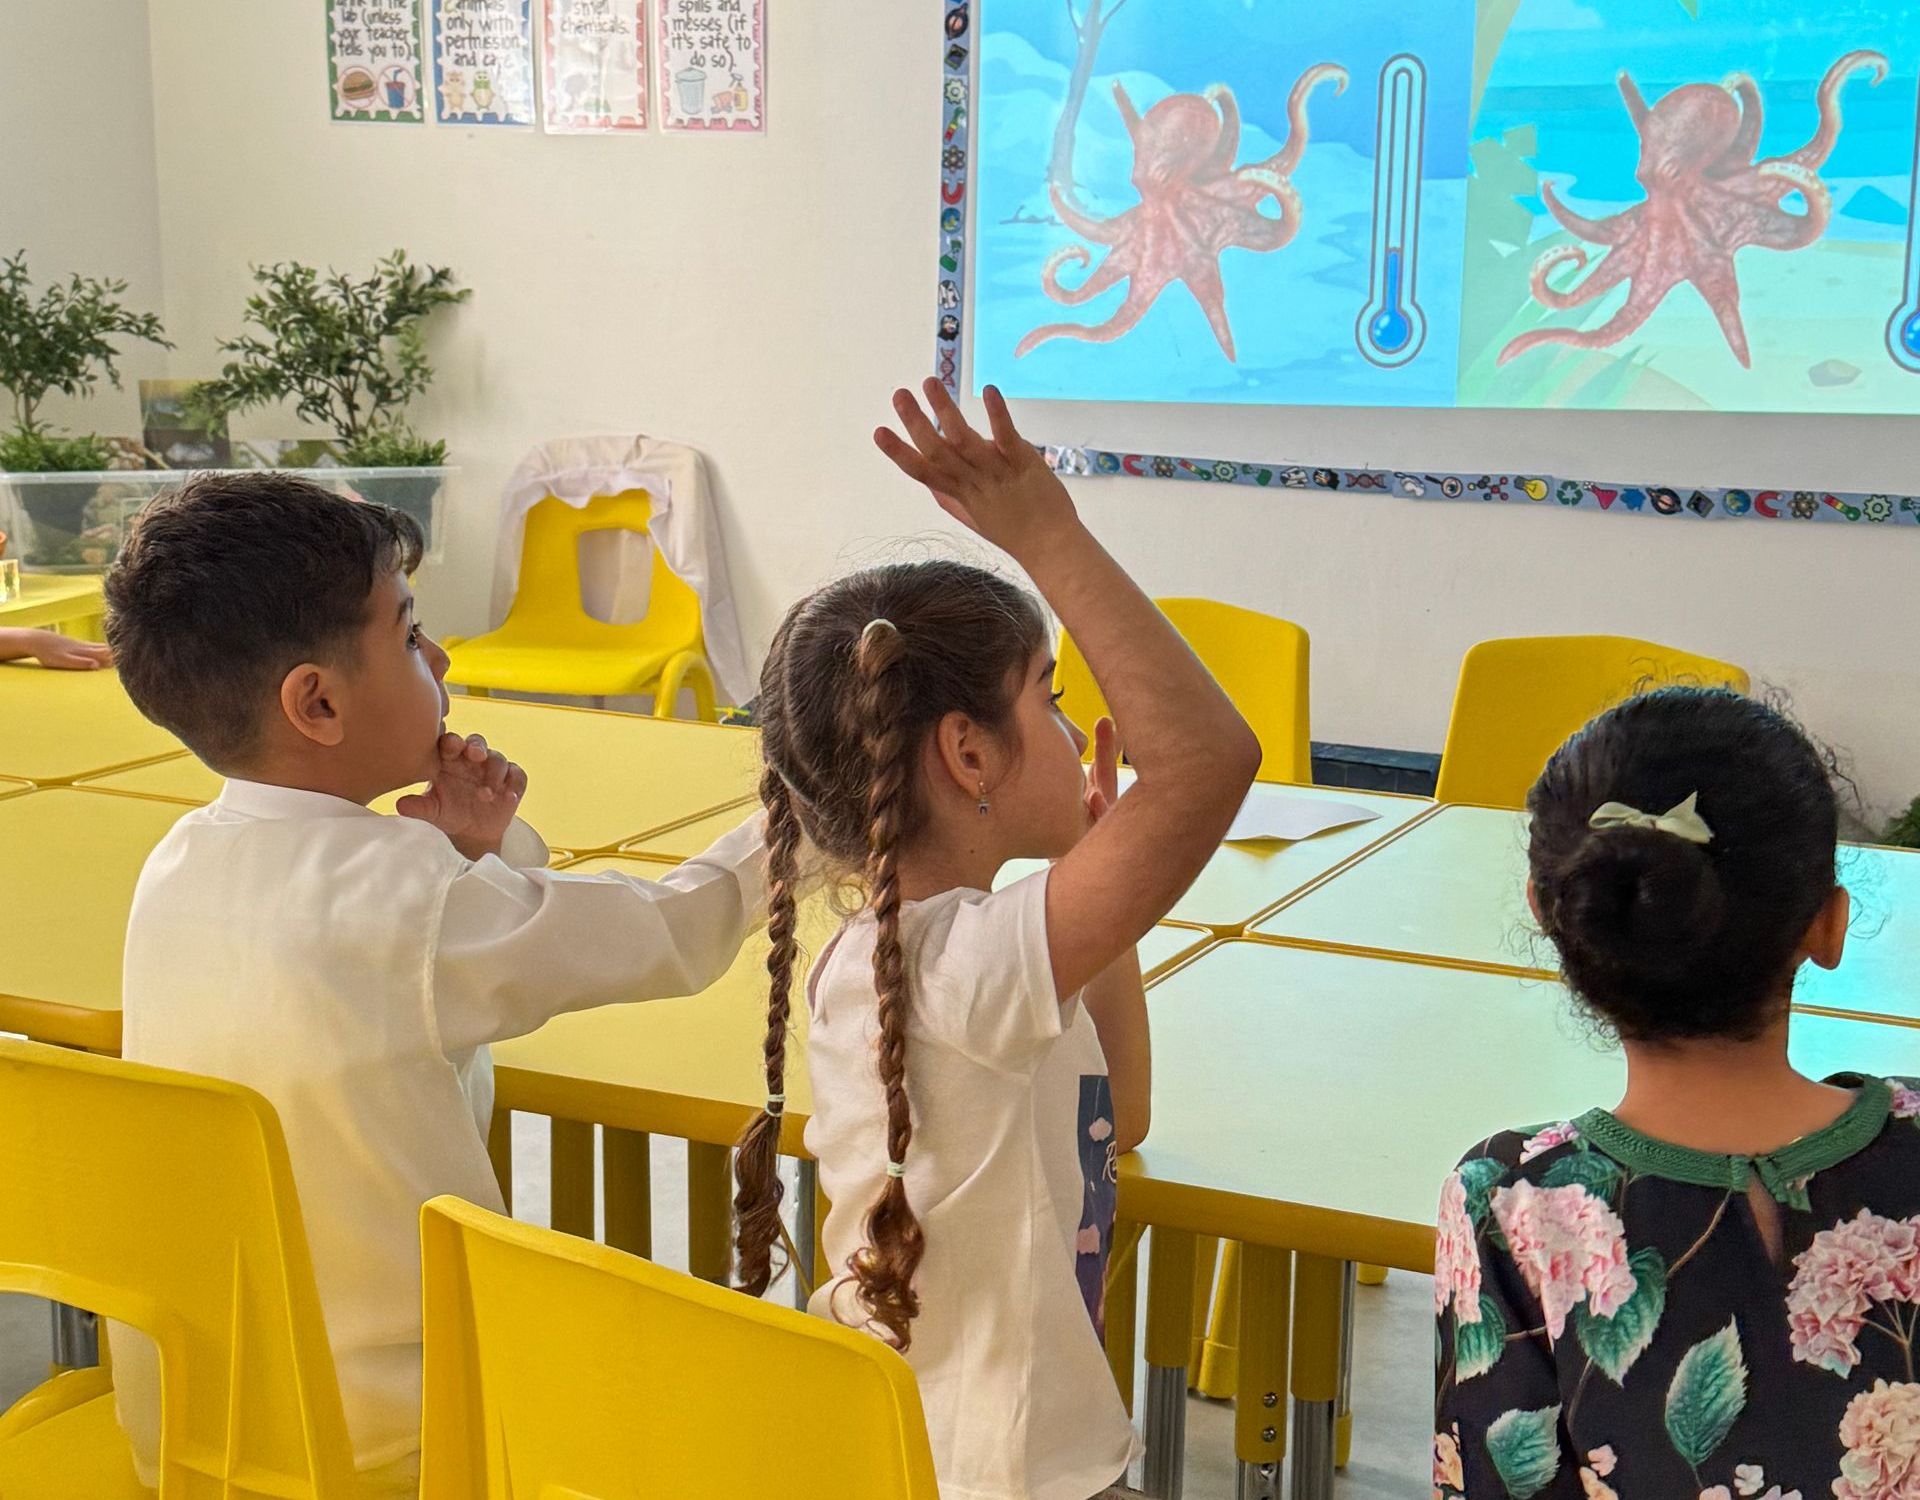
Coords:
pixel 1826 940
pixel 308 699
pixel 1533 901
pixel 963 753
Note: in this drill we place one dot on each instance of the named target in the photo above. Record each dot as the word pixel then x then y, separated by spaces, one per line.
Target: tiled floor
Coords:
pixel 1393 1343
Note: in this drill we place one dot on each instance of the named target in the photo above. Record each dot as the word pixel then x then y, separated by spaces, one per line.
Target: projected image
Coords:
pixel 1220 200
pixel 1602 204
pixel 1692 204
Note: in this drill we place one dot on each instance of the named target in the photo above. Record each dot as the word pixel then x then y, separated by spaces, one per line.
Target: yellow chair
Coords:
pixel 560 1369
pixel 550 644
pixel 165 1202
pixel 1519 700
pixel 1261 662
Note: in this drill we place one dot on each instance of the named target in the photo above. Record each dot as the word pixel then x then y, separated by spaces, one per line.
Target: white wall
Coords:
pixel 76 168
pixel 759 298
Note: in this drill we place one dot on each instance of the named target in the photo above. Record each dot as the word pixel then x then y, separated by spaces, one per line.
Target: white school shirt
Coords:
pixel 1011 1175
pixel 352 968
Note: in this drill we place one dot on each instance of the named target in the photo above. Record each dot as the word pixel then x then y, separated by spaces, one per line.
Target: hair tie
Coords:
pixel 878 623
pixel 776 1105
pixel 1683 822
pixel 896 1169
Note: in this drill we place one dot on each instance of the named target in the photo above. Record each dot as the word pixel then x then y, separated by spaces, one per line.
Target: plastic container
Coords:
pixel 77 523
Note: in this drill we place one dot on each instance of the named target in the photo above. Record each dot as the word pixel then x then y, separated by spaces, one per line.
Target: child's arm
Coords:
pixel 1193 754
pixel 53 650
pixel 1116 1001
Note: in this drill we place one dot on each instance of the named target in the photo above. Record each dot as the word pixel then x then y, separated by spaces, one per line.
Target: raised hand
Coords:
pixel 472 798
pixel 999 487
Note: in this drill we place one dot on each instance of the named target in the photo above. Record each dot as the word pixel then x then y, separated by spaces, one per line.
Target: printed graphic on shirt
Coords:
pixel 1099 1167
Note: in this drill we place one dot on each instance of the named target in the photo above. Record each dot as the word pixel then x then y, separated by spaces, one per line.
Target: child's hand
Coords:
pixel 66 655
pixel 1001 489
pixel 1103 775
pixel 472 798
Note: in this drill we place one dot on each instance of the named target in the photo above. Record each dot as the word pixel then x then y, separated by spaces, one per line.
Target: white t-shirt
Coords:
pixel 1011 1174
pixel 352 968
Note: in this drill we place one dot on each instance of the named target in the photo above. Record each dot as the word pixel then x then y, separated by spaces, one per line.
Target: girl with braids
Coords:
pixel 979 1058
pixel 1710 1289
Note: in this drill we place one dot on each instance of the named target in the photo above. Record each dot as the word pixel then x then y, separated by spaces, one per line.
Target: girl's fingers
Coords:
pixel 920 431
pixel 1005 435
pixel 954 425
pixel 906 458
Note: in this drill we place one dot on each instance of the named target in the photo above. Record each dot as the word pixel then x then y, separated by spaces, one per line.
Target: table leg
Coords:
pixel 1343 1406
pixel 76 1338
pixel 628 1169
pixel 1317 1295
pixel 709 1212
pixel 806 1229
pixel 500 1153
pixel 1123 1306
pixel 1218 1374
pixel 1259 1408
pixel 571 1153
pixel 1169 1346
pixel 1206 1258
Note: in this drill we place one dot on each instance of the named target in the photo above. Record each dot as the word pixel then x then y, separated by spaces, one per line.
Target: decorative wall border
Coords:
pixel 1553 491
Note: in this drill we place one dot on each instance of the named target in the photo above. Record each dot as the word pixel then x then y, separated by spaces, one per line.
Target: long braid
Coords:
pixel 756 1203
pixel 884 1269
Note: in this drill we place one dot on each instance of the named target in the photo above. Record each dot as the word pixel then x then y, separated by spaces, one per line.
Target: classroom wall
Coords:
pixel 759 297
pixel 77 188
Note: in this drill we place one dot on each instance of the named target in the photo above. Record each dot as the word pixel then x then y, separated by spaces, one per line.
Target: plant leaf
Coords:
pixel 1708 1393
pixel 1593 1170
pixel 1477 1347
pixel 1525 1447
pixel 1478 1175
pixel 1615 1343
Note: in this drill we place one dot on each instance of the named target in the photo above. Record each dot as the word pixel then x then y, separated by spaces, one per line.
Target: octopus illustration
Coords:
pixel 1706 199
pixel 1194 204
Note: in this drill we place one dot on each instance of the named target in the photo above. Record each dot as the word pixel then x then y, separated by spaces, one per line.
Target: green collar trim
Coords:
pixel 1783 1173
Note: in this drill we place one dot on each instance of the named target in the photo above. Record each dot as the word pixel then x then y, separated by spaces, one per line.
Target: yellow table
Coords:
pixel 68 864
pixel 56 726
pixel 594 780
pixel 69 603
pixel 1453 887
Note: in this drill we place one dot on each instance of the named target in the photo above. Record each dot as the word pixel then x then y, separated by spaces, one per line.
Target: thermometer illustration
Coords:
pixel 1903 328
pixel 1392 328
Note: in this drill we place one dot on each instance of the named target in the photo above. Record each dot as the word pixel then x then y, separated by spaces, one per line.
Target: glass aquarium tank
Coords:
pixel 77 523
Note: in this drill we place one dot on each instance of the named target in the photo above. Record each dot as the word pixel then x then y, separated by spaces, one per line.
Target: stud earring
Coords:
pixel 984 804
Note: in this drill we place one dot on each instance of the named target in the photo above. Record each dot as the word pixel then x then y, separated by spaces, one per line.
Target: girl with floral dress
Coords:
pixel 1712 1289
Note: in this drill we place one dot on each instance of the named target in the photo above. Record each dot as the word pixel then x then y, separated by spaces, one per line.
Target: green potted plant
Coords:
pixel 1904 831
pixel 62 340
pixel 348 352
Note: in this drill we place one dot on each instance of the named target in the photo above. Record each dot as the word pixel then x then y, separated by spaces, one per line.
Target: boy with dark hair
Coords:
pixel 353 967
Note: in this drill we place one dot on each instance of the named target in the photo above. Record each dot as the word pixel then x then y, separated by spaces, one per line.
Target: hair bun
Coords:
pixel 1644 901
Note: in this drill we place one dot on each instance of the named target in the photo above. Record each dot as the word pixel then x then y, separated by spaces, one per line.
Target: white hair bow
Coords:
pixel 1683 822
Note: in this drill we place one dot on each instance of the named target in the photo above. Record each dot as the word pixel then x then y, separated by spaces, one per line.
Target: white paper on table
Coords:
pixel 1272 813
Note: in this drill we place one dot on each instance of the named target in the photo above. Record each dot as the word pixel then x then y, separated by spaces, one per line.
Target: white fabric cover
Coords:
pixel 616 569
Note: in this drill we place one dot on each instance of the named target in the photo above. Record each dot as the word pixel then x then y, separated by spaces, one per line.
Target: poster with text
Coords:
pixel 373 61
pixel 713 64
pixel 483 62
pixel 596 66
pixel 1598 204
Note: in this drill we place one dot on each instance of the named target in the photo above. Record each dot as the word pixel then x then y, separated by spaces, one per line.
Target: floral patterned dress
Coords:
pixel 1611 1323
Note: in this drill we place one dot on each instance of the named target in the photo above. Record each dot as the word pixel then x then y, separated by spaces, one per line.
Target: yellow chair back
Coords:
pixel 1519 700
pixel 547 602
pixel 562 1369
pixel 1260 662
pixel 165 1202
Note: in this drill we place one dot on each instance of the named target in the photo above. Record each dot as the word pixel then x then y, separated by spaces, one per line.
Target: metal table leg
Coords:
pixel 570 1151
pixel 1170 1263
pixel 76 1338
pixel 628 1167
pixel 1343 1406
pixel 806 1230
pixel 1318 1284
pixel 709 1212
pixel 1259 1407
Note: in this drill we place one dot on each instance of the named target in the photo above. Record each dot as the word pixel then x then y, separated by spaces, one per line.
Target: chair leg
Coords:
pixel 688 669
